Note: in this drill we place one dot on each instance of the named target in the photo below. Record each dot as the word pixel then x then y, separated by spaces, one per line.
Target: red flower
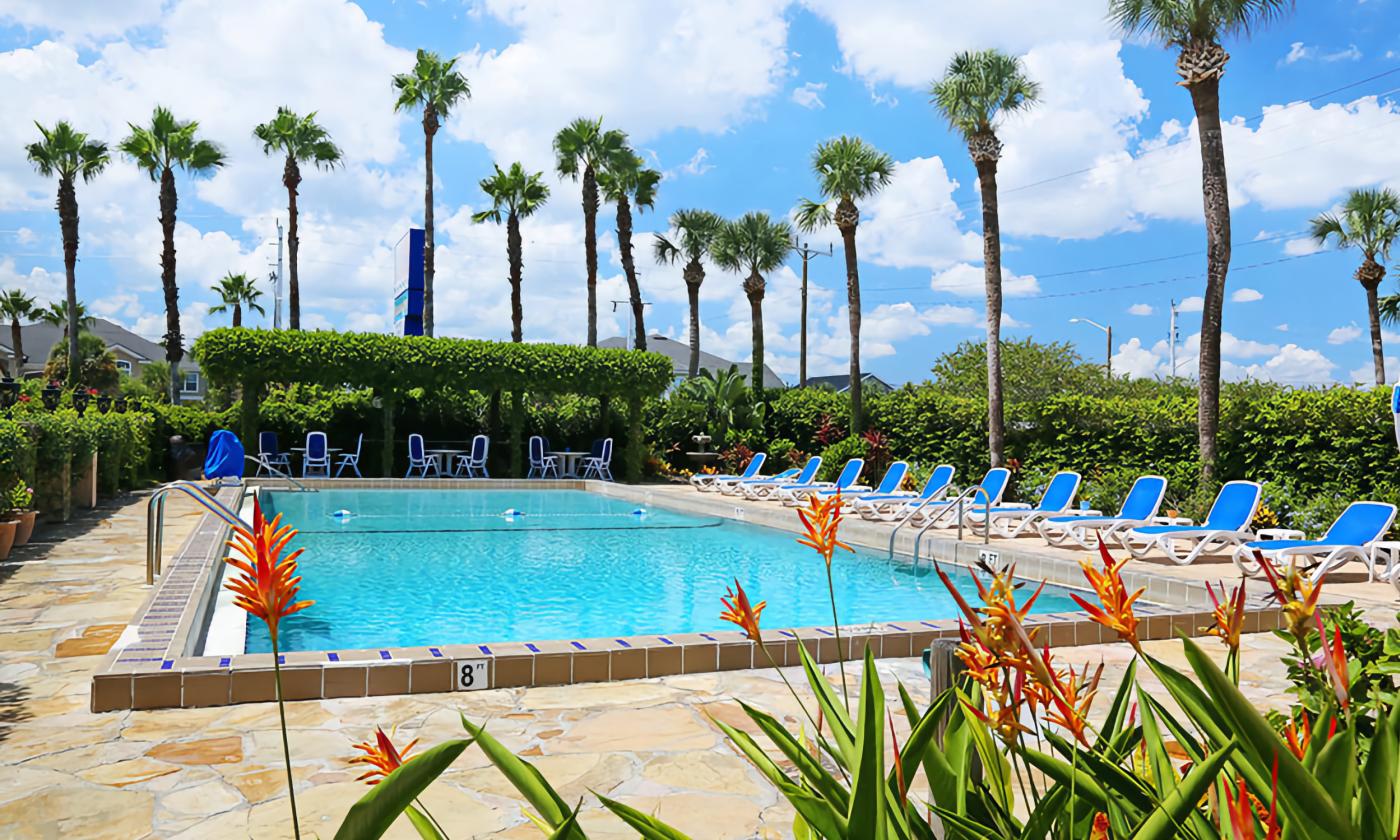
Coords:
pixel 738 610
pixel 268 583
pixel 382 757
pixel 1115 610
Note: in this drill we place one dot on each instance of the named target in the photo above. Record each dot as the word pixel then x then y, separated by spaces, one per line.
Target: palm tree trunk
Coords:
pixel 430 125
pixel 238 315
pixel 590 248
pixel 991 266
pixel 174 349
pixel 513 249
pixel 291 178
pixel 629 268
pixel 753 287
pixel 1205 97
pixel 802 341
pixel 1377 350
pixel 68 222
pixel 17 344
pixel 694 276
pixel 848 244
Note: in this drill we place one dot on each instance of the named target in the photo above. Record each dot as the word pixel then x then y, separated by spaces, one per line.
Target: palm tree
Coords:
pixel 1369 220
pixel 519 195
pixel 436 88
pixel 56 315
pixel 236 291
pixel 624 180
pixel 583 149
pixel 848 170
pixel 158 149
pixel 16 306
pixel 978 89
pixel 1196 28
pixel 723 393
pixel 694 234
pixel 68 154
pixel 301 139
pixel 756 244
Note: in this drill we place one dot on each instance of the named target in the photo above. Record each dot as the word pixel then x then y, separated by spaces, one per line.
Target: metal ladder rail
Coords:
pixel 155 519
pixel 969 493
pixel 276 473
pixel 923 503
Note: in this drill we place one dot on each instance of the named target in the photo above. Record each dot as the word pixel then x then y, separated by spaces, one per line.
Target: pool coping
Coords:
pixel 150 668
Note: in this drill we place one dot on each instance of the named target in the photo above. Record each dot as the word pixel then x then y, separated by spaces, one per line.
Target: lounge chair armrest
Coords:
pixel 1172 520
pixel 1011 506
pixel 1279 534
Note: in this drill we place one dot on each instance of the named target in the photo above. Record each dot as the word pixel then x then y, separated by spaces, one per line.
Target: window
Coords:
pixel 124 367
pixel 190 384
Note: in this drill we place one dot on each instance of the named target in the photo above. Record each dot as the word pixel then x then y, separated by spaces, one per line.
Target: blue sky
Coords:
pixel 1100 183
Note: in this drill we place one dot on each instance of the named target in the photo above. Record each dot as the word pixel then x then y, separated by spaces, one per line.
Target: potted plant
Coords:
pixel 7 536
pixel 20 499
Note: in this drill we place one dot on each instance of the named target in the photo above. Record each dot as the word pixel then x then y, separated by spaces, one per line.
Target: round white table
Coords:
pixel 568 462
pixel 445 461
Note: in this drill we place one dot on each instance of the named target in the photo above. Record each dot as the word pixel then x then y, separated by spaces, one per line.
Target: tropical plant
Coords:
pixel 724 395
pixel 625 181
pixel 978 90
pixel 1196 28
pixel 582 149
pixel 436 87
pixel 695 232
pixel 1370 221
pixel 68 154
pixel 236 291
pixel 848 170
pixel 756 244
pixel 158 149
pixel 515 195
pixel 301 140
pixel 16 306
pixel 96 368
pixel 56 315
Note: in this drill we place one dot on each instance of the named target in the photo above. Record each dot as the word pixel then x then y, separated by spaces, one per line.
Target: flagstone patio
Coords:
pixel 214 773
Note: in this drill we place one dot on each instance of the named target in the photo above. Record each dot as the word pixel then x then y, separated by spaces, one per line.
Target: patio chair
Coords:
pixel 541 465
pixel 1349 538
pixel 1139 506
pixel 759 489
pixel 351 459
pixel 793 495
pixel 709 482
pixel 889 507
pixel 270 458
pixel 1010 521
pixel 419 460
pixel 473 461
pixel 890 482
pixel 600 466
pixel 988 492
pixel 1226 526
pixel 735 486
pixel 316 457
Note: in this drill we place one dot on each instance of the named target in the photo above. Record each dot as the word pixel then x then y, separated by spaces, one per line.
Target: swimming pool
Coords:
pixel 400 568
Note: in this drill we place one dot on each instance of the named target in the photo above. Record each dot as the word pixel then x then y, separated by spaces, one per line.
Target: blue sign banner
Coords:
pixel 408 283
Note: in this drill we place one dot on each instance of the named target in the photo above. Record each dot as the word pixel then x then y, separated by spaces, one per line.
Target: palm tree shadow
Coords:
pixel 14 707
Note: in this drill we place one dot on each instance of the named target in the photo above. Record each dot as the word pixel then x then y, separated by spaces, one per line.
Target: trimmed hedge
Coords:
pixel 47 449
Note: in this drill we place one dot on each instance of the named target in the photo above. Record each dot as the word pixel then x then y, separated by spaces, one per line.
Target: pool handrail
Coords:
pixel 957 503
pixel 286 476
pixel 155 519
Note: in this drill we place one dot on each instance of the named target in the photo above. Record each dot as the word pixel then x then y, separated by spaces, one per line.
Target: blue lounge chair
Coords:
pixel 709 482
pixel 1137 511
pixel 1011 521
pixel 793 495
pixel 420 461
pixel 541 465
pixel 600 466
pixel 473 461
pixel 351 459
pixel 889 507
pixel 317 456
pixel 1226 526
pixel 1349 538
pixel 990 490
pixel 766 488
pixel 894 476
pixel 735 487
pixel 271 459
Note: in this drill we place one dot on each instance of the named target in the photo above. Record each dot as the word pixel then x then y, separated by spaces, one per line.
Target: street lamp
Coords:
pixel 1108 358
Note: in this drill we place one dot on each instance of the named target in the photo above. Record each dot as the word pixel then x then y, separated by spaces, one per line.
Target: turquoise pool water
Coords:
pixel 429 567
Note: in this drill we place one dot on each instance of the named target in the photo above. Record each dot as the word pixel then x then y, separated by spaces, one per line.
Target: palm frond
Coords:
pixel 811 215
pixel 848 168
pixel 1176 22
pixel 753 243
pixel 432 82
pixel 1368 219
pixel 981 86
pixel 67 153
pixel 514 192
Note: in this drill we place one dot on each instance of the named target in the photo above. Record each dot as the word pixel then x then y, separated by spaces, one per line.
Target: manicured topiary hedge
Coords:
pixel 49 450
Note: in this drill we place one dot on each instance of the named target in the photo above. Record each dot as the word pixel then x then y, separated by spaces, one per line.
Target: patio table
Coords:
pixel 446 460
pixel 568 462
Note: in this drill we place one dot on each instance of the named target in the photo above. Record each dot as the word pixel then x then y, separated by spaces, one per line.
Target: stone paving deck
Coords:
pixel 215 773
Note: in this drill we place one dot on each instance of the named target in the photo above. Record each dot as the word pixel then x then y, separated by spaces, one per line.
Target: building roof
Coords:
pixel 841 382
pixel 679 354
pixel 39 339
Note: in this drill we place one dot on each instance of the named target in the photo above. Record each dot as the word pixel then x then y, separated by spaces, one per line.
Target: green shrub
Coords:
pixel 835 456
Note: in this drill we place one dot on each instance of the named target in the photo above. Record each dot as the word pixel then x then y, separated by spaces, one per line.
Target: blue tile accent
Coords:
pixel 166 665
pixel 824 632
pixel 927 624
pixel 384 654
pixel 281 659
pixel 788 633
pixel 896 626
pixel 707 636
pixel 622 642
pixel 140 659
pixel 333 657
pixel 665 640
pixel 435 652
pixel 578 645
pixel 531 646
pixel 484 649
pixel 225 661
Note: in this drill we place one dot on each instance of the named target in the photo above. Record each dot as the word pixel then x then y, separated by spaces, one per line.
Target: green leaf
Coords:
pixel 520 773
pixel 1336 769
pixel 567 828
pixel 1166 819
pixel 1085 785
pixel 425 826
pixel 377 809
pixel 807 765
pixel 868 790
pixel 835 711
pixel 646 825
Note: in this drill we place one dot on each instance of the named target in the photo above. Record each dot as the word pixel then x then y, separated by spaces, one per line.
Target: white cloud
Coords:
pixel 1246 295
pixel 1293 365
pixel 1366 374
pixel 81 20
pixel 913 223
pixel 967 280
pixel 1239 348
pixel 1195 303
pixel 1290 363
pixel 1297 52
pixel 1344 335
pixel 697 165
pixel 1302 247
pixel 25 236
pixel 1141 309
pixel 1138 362
pixel 1282 328
pixel 809 95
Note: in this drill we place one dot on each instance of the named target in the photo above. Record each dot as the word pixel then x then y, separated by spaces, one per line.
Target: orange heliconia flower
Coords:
pixel 1115 607
pixel 1071 698
pixel 268 585
pixel 1100 829
pixel 1296 595
pixel 1228 614
pixel 382 757
pixel 1334 661
pixel 1243 808
pixel 738 610
pixel 981 665
pixel 1298 737
pixel 822 518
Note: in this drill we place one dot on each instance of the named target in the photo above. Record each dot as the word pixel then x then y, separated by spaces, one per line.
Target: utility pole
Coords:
pixel 805 251
pixel 615 305
pixel 1171 337
pixel 277 285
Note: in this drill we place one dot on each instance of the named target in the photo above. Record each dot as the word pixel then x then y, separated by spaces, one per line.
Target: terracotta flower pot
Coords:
pixel 7 537
pixel 25 518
